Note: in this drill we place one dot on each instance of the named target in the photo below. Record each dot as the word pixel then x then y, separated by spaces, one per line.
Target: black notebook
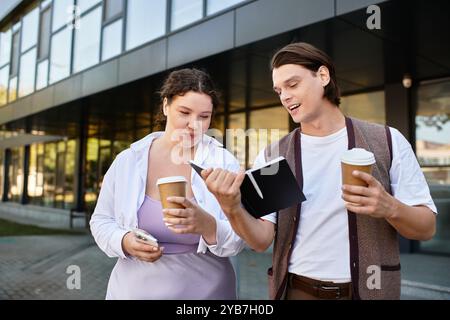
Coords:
pixel 269 188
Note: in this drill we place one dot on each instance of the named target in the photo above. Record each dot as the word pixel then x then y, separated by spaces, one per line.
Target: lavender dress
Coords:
pixel 181 272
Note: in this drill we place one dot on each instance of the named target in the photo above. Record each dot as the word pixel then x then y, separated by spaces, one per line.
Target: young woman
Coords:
pixel 191 261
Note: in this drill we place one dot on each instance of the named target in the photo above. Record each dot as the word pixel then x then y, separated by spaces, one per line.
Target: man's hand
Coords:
pixel 224 185
pixel 372 200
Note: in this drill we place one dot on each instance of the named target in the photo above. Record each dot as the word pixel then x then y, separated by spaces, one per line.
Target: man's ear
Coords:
pixel 165 106
pixel 324 75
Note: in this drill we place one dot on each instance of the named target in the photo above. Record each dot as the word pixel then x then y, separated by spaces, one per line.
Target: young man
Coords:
pixel 326 248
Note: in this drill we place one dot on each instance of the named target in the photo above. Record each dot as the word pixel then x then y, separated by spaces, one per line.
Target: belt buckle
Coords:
pixel 330 288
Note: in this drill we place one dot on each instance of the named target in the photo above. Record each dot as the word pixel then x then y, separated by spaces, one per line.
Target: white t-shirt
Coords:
pixel 321 249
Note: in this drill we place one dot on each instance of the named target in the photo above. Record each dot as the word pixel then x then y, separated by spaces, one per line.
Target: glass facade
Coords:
pixel 12 90
pixel 4 76
pixel 15 53
pixel 42 75
pixel 433 153
pixel 185 12
pixel 15 175
pixel 43 47
pixel 27 73
pixel 44 33
pixel 87 41
pixel 36 174
pixel 267 125
pixel 5 46
pixel 84 5
pixel 366 106
pixel 214 6
pixel 68 36
pixel 2 168
pixel 62 13
pixel 30 30
pixel 146 20
pixel 60 55
pixel 112 8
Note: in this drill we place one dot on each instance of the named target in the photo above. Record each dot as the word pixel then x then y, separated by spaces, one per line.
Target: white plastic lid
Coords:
pixel 171 180
pixel 358 157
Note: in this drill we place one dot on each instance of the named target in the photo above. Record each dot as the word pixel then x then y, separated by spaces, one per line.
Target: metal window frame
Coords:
pixel 84 14
pixel 47 8
pixel 106 23
pixel 9 61
pixel 169 18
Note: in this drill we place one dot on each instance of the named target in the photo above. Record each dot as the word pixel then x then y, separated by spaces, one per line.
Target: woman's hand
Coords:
pixel 191 219
pixel 139 249
pixel 225 186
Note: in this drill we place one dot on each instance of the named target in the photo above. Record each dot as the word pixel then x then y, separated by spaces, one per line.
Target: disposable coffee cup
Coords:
pixel 174 186
pixel 356 159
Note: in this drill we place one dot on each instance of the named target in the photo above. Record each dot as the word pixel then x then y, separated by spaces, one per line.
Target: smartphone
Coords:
pixel 196 167
pixel 146 237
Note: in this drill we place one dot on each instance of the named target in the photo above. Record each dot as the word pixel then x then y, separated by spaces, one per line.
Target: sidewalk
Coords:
pixel 34 267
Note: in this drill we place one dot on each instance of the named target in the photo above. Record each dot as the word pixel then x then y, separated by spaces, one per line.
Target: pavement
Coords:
pixel 39 267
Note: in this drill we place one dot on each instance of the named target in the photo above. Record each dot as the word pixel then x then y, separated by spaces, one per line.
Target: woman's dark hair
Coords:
pixel 311 58
pixel 179 82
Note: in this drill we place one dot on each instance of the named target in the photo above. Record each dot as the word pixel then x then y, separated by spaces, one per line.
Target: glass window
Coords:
pixel 433 153
pixel 185 12
pixel 366 106
pixel 16 26
pixel 45 3
pixel 238 84
pixel 42 75
pixel 87 41
pixel 16 174
pixel 15 54
pixel 90 195
pixel 60 55
pixel 70 173
pixel 30 29
pixel 62 13
pixel 261 83
pixel 112 8
pixel 2 152
pixel 84 5
pixel 112 40
pixel 49 184
pixel 36 175
pixel 27 73
pixel 44 34
pixel 266 126
pixel 146 20
pixel 4 75
pixel 5 46
pixel 214 6
pixel 12 92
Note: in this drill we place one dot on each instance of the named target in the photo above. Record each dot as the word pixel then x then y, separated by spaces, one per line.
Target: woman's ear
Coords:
pixel 324 75
pixel 165 106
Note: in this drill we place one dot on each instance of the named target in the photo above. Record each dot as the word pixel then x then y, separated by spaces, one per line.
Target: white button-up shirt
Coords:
pixel 123 192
